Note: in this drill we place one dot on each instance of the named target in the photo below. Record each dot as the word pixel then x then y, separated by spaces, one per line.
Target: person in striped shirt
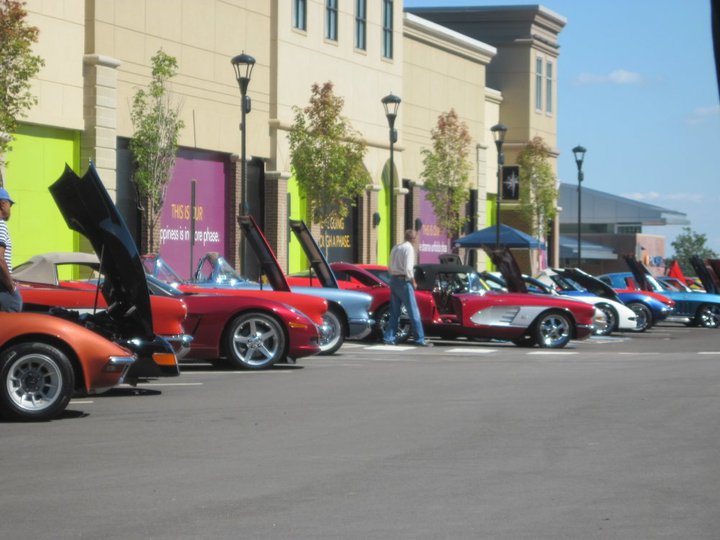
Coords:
pixel 10 299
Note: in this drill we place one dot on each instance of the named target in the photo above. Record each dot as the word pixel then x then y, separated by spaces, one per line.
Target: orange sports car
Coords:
pixel 45 360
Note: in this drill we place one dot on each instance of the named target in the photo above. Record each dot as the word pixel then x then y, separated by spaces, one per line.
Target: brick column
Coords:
pixel 276 214
pixel 233 196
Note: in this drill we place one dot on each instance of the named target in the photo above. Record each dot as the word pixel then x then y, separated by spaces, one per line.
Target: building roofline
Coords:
pixel 414 26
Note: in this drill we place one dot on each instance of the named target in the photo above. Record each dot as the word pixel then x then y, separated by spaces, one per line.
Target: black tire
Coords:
pixel 644 316
pixel 332 334
pixel 611 317
pixel 552 330
pixel 708 316
pixel 525 341
pixel 383 319
pixel 36 382
pixel 255 341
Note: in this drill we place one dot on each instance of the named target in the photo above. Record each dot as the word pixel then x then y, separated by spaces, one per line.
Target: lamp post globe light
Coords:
pixel 243 65
pixel 391 103
pixel 579 152
pixel 498 131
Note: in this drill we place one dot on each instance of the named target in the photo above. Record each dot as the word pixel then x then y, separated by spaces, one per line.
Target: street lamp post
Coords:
pixel 498 131
pixel 391 103
pixel 243 65
pixel 579 152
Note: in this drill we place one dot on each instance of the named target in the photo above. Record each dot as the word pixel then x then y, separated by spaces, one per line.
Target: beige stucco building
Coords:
pixel 490 64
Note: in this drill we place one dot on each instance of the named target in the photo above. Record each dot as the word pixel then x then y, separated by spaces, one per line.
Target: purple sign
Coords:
pixel 174 225
pixel 432 240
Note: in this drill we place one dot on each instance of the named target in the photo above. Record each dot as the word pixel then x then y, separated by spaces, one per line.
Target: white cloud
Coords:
pixel 619 76
pixel 703 114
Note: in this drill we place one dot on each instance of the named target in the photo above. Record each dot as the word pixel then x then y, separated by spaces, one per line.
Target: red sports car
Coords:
pixel 453 301
pixel 45 360
pixel 247 331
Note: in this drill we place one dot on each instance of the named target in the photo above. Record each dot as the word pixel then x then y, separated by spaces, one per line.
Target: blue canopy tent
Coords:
pixel 509 237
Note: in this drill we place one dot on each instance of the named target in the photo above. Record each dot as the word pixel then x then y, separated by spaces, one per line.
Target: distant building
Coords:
pixel 611 224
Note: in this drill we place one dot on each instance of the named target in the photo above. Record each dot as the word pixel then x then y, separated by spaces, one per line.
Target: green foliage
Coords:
pixel 17 66
pixel 154 144
pixel 538 186
pixel 687 244
pixel 327 157
pixel 446 172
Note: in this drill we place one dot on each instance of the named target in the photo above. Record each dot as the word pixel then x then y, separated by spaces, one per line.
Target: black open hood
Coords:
pixel 705 270
pixel 269 264
pixel 590 283
pixel 639 272
pixel 506 264
pixel 318 262
pixel 88 209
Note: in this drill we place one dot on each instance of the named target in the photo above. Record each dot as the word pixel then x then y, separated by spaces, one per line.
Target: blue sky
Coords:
pixel 637 88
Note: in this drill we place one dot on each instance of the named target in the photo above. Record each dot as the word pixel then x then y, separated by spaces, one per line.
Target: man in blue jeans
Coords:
pixel 402 291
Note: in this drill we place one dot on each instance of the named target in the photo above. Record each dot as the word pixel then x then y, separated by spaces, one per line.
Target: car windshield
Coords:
pixel 566 284
pixel 460 282
pixel 162 271
pixel 674 285
pixel 380 273
pixel 219 271
pixel 160 288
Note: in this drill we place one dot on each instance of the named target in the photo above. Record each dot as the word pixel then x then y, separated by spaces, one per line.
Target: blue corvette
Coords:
pixel 691 308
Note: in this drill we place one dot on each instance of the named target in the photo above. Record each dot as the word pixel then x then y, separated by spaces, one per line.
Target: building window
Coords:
pixel 331 19
pixel 300 14
pixel 388 28
pixel 549 88
pixel 360 23
pixel 625 228
pixel 538 83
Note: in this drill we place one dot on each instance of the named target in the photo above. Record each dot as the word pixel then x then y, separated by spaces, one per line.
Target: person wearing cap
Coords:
pixel 10 299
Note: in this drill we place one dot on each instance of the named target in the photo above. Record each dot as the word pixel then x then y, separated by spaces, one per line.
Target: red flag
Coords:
pixel 676 272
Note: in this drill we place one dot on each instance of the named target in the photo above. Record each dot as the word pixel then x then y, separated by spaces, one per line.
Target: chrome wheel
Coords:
pixel 255 341
pixel 708 316
pixel 383 320
pixel 611 320
pixel 38 381
pixel 553 330
pixel 643 316
pixel 332 333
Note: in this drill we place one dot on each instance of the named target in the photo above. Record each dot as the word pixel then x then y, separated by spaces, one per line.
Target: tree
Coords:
pixel 17 66
pixel 538 187
pixel 687 244
pixel 154 144
pixel 446 170
pixel 327 158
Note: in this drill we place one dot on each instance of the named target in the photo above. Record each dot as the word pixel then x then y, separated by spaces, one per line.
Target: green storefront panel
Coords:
pixel 37 159
pixel 297 262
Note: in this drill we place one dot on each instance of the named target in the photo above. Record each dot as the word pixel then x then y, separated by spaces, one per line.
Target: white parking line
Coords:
pixel 238 372
pixel 81 401
pixel 553 353
pixel 172 384
pixel 471 350
pixel 708 352
pixel 389 348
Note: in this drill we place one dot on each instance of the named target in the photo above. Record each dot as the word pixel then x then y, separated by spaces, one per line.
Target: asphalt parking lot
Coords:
pixel 609 438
